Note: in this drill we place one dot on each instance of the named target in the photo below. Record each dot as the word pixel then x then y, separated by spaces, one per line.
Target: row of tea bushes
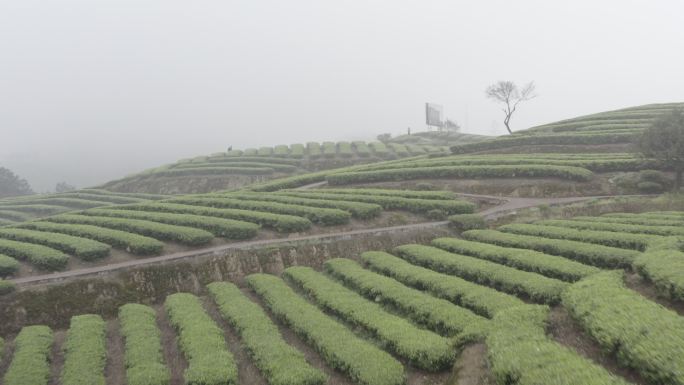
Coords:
pixel 507 279
pixel 279 362
pixel 607 238
pixel 519 348
pixel 548 265
pixel 357 209
pixel 388 202
pixel 596 255
pixel 86 249
pixel 422 348
pixel 181 234
pixel 220 227
pixel 279 222
pixel 437 314
pixel 85 352
pixel 132 243
pixel 142 340
pixel 202 342
pixel 324 216
pixel 644 335
pixel 30 363
pixel 341 348
pixel 472 172
pixel 480 299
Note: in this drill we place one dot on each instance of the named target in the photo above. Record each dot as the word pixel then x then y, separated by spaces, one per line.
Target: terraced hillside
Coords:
pixel 236 168
pixel 611 130
pixel 21 209
pixel 103 235
pixel 496 174
pixel 407 316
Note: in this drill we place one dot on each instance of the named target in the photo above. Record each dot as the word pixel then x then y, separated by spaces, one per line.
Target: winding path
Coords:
pixel 509 204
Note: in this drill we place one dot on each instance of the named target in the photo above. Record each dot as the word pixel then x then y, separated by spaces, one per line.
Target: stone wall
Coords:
pixel 54 303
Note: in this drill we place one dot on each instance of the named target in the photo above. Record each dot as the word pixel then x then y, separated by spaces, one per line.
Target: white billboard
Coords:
pixel 433 114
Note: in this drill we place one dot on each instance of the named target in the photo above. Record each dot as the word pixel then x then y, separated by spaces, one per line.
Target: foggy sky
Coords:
pixel 94 90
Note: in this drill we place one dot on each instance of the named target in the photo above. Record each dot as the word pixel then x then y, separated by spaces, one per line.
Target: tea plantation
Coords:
pixel 385 316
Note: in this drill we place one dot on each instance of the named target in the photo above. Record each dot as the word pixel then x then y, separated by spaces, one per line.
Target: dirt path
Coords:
pixel 509 204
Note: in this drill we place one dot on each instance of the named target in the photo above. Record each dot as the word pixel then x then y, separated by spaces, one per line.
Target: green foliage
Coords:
pixel 194 171
pixel 362 361
pixel 281 151
pixel 437 314
pixel 528 260
pixel 314 150
pixel 279 222
pixel 115 199
pixel 40 256
pixel 398 149
pixel 265 151
pixel 650 187
pixel 279 362
pixel 132 243
pixel 606 238
pixel 8 265
pixel 83 248
pixel 231 163
pixel 663 265
pixel 596 255
pixel 220 227
pixel 297 151
pixel 344 149
pixel 446 195
pixel 357 209
pixel 591 162
pixel 504 278
pixel 422 348
pixel 416 205
pixel 323 216
pixel 362 149
pixel 635 225
pixel 480 299
pixel 12 185
pixel 329 149
pixel 202 342
pixel 30 364
pixel 142 339
pixel 85 354
pixel 379 149
pixel 6 287
pixel 15 216
pixel 120 194
pixel 664 141
pixel 73 203
pixel 645 335
pixel 493 171
pixel 465 222
pixel 521 353
pixel 35 209
pixel 536 140
pixel 181 234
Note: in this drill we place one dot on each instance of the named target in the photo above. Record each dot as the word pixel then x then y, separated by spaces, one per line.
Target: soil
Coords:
pixel 471 367
pixel 172 356
pixel 566 331
pixel 57 357
pixel 115 371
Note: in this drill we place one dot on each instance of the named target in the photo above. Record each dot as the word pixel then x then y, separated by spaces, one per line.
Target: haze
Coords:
pixel 94 90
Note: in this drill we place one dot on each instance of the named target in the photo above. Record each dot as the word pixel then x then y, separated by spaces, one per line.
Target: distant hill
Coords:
pixel 612 131
pixel 236 168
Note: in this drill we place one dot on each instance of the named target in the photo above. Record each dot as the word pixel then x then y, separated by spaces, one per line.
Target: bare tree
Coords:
pixel 508 93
